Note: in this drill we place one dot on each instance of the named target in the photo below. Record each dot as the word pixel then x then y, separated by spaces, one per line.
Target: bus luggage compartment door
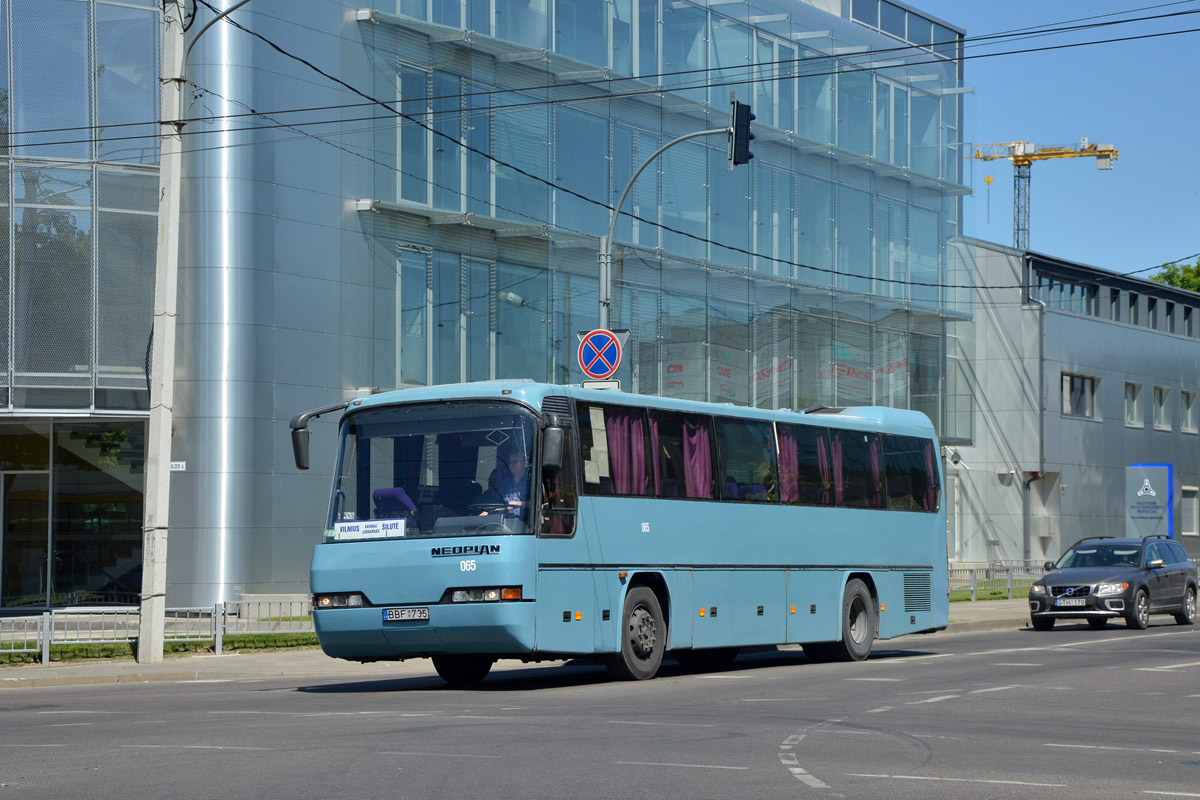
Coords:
pixel 566 611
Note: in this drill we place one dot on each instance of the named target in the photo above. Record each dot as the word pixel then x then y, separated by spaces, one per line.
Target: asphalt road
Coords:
pixel 1071 713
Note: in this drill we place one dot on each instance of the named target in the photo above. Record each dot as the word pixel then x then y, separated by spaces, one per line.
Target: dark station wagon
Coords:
pixel 1100 578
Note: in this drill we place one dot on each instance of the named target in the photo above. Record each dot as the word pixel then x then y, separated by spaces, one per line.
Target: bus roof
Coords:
pixel 532 394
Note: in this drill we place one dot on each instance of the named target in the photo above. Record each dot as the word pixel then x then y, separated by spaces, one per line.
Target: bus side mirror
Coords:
pixel 552 449
pixel 300 447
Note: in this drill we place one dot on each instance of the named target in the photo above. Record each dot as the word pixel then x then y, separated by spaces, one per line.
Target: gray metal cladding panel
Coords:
pixel 303 498
pixel 302 355
pixel 205 399
pixel 308 303
pixel 307 250
pixel 240 448
pixel 230 352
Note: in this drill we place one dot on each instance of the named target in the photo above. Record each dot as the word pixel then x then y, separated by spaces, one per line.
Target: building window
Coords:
pixel 1161 420
pixel 1189 516
pixel 1078 396
pixel 1133 404
pixel 1187 412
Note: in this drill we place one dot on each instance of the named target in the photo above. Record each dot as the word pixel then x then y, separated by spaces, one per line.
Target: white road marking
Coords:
pixel 954 780
pixel 66 724
pixel 436 755
pixel 685 766
pixel 1016 664
pixel 911 659
pixel 933 699
pixel 5 744
pixel 1169 667
pixel 668 724
pixel 844 732
pixel 880 680
pixel 880 710
pixel 193 747
pixel 1106 747
pixel 791 741
pixel 475 716
pixel 1172 794
pixel 993 689
pixel 798 772
pixel 85 712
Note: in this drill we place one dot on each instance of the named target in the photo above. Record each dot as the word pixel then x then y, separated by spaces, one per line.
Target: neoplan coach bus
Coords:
pixel 512 519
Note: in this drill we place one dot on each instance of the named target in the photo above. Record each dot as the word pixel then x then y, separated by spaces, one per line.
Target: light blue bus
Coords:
pixel 513 519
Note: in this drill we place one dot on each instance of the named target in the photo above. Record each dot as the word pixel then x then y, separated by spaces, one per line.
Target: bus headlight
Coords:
pixel 340 600
pixel 486 595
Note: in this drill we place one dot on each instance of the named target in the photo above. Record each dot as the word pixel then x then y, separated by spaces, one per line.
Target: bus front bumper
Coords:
pixel 489 628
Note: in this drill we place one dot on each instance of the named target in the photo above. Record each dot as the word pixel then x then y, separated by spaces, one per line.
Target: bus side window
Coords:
pixel 746 460
pixel 682 445
pixel 558 493
pixel 805 471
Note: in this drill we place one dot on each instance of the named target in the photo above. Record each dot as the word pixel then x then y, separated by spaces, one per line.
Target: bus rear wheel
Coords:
pixel 643 637
pixel 463 670
pixel 858 623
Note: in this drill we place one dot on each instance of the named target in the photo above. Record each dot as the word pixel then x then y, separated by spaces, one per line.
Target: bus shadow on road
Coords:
pixel 586 671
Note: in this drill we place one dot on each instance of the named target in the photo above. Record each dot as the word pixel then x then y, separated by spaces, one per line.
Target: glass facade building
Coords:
pixel 78 230
pixel 410 192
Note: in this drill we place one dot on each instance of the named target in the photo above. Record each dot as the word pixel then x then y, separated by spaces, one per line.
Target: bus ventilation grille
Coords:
pixel 556 405
pixel 917 592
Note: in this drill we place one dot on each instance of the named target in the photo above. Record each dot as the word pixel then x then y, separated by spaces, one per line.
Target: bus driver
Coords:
pixel 508 484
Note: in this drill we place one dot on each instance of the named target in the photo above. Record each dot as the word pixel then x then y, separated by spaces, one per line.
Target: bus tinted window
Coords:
pixel 615 456
pixel 805 474
pixel 682 454
pixel 911 476
pixel 857 469
pixel 746 455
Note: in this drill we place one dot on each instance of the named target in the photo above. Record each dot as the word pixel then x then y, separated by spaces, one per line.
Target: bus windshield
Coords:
pixel 439 469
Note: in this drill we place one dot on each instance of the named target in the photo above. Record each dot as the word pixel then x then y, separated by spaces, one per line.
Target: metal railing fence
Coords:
pixel 36 634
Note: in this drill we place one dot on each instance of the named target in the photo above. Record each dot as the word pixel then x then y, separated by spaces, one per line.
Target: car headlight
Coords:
pixel 1111 588
pixel 1037 588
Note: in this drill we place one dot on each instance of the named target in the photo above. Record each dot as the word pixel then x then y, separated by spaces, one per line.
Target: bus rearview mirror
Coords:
pixel 552 449
pixel 300 447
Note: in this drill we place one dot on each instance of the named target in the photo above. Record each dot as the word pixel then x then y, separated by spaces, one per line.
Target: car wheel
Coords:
pixel 1139 615
pixel 1042 623
pixel 1097 622
pixel 1187 612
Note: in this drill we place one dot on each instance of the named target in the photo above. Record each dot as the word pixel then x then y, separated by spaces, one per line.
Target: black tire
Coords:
pixel 858 623
pixel 463 670
pixel 643 637
pixel 703 660
pixel 1097 622
pixel 1042 623
pixel 1139 611
pixel 1187 611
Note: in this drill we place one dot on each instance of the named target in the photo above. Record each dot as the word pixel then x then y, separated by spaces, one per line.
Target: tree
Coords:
pixel 1179 275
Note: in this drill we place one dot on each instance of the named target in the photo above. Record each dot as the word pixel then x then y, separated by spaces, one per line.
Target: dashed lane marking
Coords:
pixel 879 680
pixel 1172 794
pixel 683 766
pixel 880 710
pixel 436 755
pixel 937 699
pixel 1108 747
pixel 993 689
pixel 666 724
pixel 1168 667
pixel 954 780
pixel 800 773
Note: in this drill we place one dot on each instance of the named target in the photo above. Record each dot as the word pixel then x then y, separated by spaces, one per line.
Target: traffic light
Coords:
pixel 740 116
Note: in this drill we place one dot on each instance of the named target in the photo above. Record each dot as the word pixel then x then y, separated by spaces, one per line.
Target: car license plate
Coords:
pixel 1065 601
pixel 404 614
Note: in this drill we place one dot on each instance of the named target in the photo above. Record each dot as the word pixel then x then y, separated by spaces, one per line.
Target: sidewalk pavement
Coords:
pixel 312 663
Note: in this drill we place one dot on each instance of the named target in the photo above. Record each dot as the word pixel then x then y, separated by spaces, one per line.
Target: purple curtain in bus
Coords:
pixel 697 459
pixel 875 490
pixel 823 466
pixel 658 479
pixel 789 467
pixel 626 451
pixel 839 484
pixel 929 501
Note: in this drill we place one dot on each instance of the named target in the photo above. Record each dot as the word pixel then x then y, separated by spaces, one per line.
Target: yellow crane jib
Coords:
pixel 1022 155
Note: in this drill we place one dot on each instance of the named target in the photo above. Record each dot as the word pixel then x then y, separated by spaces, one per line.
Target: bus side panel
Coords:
pixel 566 611
pixel 713 596
pixel 907 600
pixel 758 606
pixel 681 628
pixel 816 595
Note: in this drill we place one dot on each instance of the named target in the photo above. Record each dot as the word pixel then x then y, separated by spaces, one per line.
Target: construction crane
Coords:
pixel 1022 155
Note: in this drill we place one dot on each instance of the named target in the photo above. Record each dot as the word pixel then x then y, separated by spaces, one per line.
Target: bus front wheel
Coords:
pixel 643 637
pixel 858 623
pixel 463 670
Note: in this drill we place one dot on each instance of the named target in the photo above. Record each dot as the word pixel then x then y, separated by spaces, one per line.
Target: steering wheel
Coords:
pixel 488 507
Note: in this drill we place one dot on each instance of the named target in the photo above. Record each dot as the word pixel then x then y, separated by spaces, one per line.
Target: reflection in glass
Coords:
pixel 23 557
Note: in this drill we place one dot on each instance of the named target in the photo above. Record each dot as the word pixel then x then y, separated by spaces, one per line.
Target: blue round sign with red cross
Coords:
pixel 599 354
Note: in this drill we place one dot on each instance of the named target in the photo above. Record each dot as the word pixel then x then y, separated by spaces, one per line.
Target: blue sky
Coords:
pixel 1141 96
